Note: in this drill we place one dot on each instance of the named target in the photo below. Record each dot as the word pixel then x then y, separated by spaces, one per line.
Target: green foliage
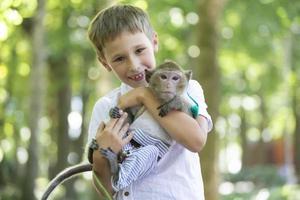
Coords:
pixel 270 193
pixel 265 182
pixel 261 176
pixel 252 56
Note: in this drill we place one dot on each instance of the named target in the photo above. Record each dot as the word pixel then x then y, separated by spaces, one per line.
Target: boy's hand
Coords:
pixel 114 134
pixel 134 97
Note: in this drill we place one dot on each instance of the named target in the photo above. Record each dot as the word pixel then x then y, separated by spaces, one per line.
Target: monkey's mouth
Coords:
pixel 167 94
pixel 137 77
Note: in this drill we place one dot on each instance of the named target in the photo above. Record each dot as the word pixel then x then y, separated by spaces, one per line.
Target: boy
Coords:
pixel 125 44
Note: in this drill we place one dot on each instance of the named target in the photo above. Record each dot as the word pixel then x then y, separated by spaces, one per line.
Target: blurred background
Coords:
pixel 245 54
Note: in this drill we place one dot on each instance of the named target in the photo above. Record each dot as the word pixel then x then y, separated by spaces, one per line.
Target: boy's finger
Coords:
pixel 128 138
pixel 124 130
pixel 120 122
pixel 111 123
pixel 101 127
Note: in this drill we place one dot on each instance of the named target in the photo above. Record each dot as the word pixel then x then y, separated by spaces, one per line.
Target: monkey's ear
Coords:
pixel 148 75
pixel 188 74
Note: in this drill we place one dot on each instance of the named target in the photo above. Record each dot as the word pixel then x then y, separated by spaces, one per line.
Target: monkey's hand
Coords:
pixel 176 103
pixel 115 112
pixel 164 110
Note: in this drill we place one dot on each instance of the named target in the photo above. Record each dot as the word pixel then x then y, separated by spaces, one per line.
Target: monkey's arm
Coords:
pixel 112 135
pixel 181 127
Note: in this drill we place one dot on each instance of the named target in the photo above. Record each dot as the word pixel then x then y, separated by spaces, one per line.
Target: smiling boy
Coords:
pixel 126 44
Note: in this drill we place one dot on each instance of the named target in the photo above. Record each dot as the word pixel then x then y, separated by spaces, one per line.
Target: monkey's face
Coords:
pixel 167 84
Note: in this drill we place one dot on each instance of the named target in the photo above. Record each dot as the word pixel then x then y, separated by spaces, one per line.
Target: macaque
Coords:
pixel 168 83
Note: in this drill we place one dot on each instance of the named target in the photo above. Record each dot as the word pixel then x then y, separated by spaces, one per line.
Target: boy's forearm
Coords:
pixel 180 126
pixel 102 170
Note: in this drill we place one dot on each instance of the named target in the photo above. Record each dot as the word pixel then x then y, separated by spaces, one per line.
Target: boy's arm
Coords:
pixel 181 127
pixel 101 169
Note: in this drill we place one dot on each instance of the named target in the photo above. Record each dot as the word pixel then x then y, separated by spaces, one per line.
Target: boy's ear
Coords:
pixel 104 63
pixel 155 41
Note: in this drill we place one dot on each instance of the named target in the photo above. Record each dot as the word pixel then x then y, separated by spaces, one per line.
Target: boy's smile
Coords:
pixel 137 77
pixel 129 55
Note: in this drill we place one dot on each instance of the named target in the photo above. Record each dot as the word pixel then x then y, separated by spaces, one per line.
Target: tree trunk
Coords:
pixel 78 146
pixel 291 94
pixel 60 77
pixel 296 102
pixel 261 156
pixel 37 88
pixel 208 75
pixel 243 136
pixel 61 85
pixel 296 109
pixel 63 106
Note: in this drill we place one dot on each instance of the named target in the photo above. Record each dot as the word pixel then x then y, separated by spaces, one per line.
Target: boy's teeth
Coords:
pixel 137 77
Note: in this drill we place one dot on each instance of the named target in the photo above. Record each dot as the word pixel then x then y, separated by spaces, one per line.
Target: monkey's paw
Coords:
pixel 162 113
pixel 115 112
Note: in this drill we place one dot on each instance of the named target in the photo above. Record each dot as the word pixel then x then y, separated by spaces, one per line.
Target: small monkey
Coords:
pixel 168 83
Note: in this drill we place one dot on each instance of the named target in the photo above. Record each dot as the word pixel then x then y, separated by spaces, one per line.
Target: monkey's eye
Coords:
pixel 175 78
pixel 163 76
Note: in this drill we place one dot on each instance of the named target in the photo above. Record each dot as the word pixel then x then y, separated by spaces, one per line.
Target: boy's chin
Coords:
pixel 136 84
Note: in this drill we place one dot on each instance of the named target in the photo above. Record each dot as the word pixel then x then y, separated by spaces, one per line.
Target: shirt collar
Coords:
pixel 125 88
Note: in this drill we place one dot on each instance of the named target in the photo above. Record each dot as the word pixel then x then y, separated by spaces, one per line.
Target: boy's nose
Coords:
pixel 134 64
pixel 133 67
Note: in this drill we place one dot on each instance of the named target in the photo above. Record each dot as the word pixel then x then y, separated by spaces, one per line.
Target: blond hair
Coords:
pixel 111 22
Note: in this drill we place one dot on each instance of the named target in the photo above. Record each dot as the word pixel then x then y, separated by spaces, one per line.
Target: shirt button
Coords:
pixel 126 193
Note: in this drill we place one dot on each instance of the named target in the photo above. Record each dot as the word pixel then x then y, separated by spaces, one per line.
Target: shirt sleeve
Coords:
pixel 195 94
pixel 99 114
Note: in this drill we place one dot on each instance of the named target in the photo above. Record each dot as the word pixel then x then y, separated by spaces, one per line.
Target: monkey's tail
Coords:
pixel 65 175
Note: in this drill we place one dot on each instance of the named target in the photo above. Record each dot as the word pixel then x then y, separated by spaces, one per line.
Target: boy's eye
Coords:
pixel 118 59
pixel 140 50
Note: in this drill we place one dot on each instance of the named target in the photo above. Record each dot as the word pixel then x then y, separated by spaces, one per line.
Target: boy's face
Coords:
pixel 129 55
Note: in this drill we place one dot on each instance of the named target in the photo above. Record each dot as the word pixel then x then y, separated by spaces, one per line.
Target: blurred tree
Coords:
pixel 243 137
pixel 36 101
pixel 295 82
pixel 70 59
pixel 208 74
